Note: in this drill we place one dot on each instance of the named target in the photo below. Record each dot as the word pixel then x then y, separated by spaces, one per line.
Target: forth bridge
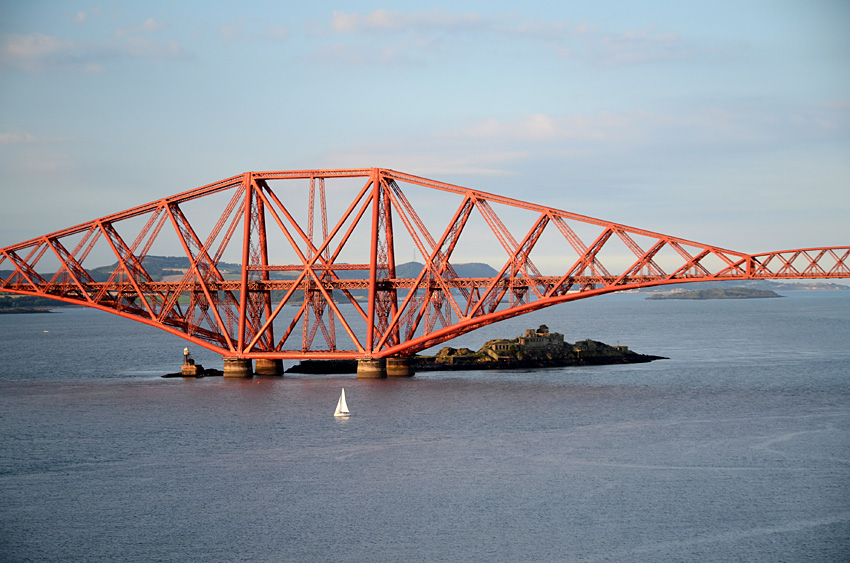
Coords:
pixel 318 254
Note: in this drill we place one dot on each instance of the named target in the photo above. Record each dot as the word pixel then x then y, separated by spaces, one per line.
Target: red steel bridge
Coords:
pixel 317 263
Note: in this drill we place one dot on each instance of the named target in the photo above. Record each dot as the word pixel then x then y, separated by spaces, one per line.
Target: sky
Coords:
pixel 723 122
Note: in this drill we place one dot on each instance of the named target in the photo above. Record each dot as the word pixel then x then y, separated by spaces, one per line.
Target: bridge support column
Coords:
pixel 238 367
pixel 268 366
pixel 371 369
pixel 400 367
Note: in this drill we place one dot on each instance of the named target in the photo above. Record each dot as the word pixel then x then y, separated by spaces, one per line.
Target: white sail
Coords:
pixel 341 407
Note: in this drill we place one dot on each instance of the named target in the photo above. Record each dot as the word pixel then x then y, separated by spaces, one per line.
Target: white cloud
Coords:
pixel 400 21
pixel 837 104
pixel 442 23
pixel 581 41
pixel 428 158
pixel 389 55
pixel 37 52
pixel 276 33
pixel 532 30
pixel 622 148
pixel 140 48
pixel 150 25
pixel 643 46
pixel 539 126
pixel 393 38
pixel 732 128
pixel 231 31
pixel 585 28
pixel 34 46
pixel 17 138
pixel 44 163
pixel 543 127
pixel 235 31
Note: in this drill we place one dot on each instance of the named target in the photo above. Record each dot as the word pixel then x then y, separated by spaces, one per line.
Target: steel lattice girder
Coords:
pixel 347 277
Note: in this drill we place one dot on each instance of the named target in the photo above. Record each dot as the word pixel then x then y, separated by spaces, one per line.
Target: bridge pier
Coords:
pixel 268 366
pixel 371 369
pixel 238 367
pixel 400 366
pixel 192 370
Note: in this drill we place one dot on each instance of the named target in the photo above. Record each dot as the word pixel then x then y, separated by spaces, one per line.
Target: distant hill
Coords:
pixel 162 267
pixel 158 267
pixel 468 270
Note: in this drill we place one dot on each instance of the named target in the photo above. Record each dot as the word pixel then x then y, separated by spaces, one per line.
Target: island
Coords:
pixel 718 293
pixel 536 348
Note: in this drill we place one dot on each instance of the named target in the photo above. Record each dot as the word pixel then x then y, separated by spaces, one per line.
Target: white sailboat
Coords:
pixel 341 407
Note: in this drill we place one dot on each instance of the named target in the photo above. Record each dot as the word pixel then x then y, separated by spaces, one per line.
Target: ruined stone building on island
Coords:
pixel 539 340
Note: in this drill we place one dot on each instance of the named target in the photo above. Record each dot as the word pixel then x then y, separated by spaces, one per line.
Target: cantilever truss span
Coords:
pixel 363 263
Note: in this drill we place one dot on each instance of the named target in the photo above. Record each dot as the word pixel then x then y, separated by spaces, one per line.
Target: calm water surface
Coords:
pixel 737 448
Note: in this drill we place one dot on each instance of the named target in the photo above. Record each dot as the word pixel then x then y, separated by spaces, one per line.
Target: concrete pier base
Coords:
pixel 268 366
pixel 238 367
pixel 192 370
pixel 399 367
pixel 371 369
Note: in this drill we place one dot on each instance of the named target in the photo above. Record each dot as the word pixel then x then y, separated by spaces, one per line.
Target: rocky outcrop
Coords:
pixel 510 354
pixel 534 349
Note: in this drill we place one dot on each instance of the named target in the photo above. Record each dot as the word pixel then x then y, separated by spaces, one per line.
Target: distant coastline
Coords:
pixel 718 293
pixel 23 311
pixel 29 305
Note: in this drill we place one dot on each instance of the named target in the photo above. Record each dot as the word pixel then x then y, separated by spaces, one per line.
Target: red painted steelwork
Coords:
pixel 326 280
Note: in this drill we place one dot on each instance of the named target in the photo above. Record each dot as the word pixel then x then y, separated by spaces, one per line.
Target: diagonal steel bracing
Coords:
pixel 348 272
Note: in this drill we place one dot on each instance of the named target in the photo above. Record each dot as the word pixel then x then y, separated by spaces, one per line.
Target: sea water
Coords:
pixel 736 448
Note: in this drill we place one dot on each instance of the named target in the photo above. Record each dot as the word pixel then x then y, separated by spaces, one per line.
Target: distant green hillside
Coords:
pixel 157 266
pixel 468 270
pixel 409 270
pixel 160 266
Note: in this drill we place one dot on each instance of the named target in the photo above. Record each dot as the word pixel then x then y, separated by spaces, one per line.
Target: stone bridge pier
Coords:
pixel 245 368
pixel 238 367
pixel 381 368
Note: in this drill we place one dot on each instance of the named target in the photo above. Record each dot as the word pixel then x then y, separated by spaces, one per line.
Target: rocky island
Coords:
pixel 718 293
pixel 534 349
